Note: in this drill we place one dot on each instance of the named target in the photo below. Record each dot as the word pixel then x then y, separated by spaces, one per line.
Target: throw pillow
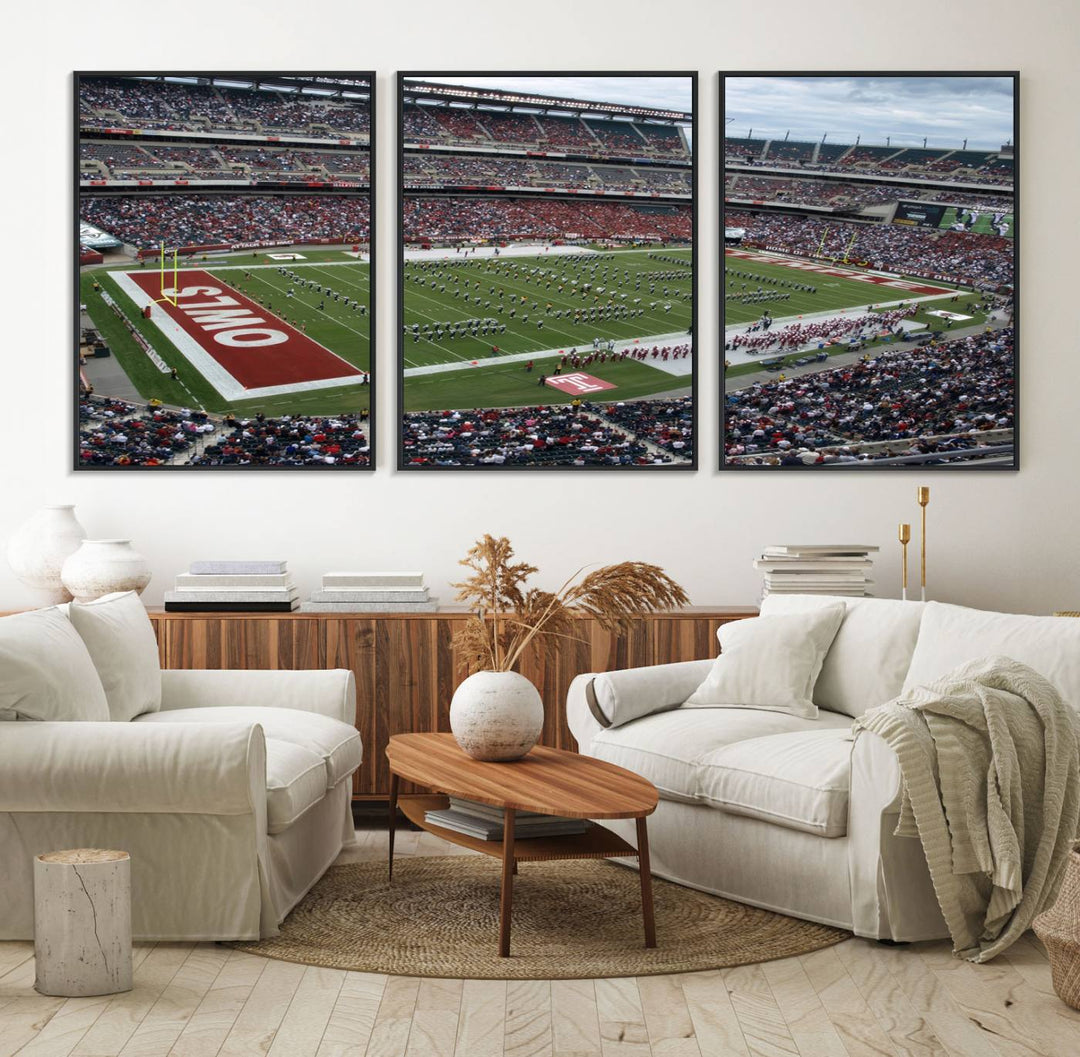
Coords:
pixel 45 670
pixel 121 641
pixel 770 663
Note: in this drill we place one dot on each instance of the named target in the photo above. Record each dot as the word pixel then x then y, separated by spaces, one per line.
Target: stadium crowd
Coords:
pixel 962 257
pixel 441 170
pixel 339 440
pixel 938 398
pixel 510 218
pixel 134 103
pixel 190 220
pixel 561 435
pixel 431 124
pixel 116 433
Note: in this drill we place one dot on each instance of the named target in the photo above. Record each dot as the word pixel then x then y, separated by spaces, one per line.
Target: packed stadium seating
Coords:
pixel 464 170
pixel 941 164
pixel 117 160
pixel 196 219
pixel 511 218
pixel 142 104
pixel 290 441
pixel 937 399
pixel 536 436
pixel 118 433
pixel 963 257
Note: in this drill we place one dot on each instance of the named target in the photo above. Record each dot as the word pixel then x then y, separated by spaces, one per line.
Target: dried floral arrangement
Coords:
pixel 507 615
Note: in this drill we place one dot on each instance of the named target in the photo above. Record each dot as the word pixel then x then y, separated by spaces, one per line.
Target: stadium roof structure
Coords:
pixel 471 97
pixel 321 85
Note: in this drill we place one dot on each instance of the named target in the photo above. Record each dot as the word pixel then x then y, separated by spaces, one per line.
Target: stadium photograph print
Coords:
pixel 547 263
pixel 223 259
pixel 870 226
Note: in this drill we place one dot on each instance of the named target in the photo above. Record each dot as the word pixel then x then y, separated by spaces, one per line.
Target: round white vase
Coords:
pixel 37 551
pixel 496 715
pixel 100 567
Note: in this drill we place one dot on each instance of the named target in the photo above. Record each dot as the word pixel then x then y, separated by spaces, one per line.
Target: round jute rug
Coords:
pixel 575 918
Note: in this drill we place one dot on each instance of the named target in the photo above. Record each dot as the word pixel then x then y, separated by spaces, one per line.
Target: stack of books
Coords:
pixel 486 822
pixel 371 593
pixel 234 587
pixel 817 569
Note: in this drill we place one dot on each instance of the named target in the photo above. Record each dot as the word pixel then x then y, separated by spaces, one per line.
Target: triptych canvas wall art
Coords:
pixel 547 250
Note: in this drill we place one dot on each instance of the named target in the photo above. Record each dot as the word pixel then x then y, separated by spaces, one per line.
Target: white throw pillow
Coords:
pixel 45 670
pixel 770 663
pixel 121 641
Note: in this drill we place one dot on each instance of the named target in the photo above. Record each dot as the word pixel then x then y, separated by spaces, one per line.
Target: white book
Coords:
pixel 812 567
pixel 228 567
pixel 816 549
pixel 374 579
pixel 253 582
pixel 224 594
pixel 364 594
pixel 370 607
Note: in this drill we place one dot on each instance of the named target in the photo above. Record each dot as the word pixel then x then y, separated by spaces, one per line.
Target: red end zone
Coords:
pixel 256 347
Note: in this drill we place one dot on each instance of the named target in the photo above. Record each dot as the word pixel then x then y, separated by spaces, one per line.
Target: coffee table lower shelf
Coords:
pixel 596 842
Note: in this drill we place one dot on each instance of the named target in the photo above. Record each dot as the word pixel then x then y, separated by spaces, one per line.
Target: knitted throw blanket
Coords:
pixel 990 761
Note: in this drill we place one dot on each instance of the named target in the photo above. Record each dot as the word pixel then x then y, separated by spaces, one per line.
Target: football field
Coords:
pixel 304 347
pixel 471 327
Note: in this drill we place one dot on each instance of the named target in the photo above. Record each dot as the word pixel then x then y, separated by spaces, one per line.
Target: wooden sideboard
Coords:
pixel 406 667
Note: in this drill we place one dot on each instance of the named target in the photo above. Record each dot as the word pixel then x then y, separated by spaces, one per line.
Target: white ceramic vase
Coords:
pixel 37 551
pixel 100 567
pixel 496 715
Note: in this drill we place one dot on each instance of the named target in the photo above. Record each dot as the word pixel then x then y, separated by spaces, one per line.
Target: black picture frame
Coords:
pixel 1006 463
pixel 224 75
pixel 405 76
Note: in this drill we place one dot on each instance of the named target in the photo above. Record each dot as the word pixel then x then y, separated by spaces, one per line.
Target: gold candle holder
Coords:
pixel 923 496
pixel 904 535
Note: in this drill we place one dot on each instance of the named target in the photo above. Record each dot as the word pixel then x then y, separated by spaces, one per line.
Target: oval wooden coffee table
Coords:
pixel 549 781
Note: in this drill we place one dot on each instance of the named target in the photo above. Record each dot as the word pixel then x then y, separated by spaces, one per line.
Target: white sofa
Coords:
pixel 793 814
pixel 231 790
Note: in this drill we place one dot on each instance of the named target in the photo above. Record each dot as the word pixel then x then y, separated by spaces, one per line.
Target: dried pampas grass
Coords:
pixel 507 615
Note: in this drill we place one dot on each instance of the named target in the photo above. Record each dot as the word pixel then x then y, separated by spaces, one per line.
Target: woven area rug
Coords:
pixel 574 918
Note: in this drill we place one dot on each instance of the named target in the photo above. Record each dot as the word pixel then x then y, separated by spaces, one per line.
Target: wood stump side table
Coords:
pixel 82 922
pixel 548 781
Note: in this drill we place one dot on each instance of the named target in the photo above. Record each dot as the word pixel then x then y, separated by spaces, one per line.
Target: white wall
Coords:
pixel 1000 540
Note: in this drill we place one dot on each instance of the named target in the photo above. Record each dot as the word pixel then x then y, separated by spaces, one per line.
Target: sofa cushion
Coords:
pixel 45 670
pixel 295 780
pixel 770 662
pixel 121 642
pixel 953 635
pixel 799 780
pixel 618 697
pixel 336 743
pixel 869 658
pixel 668 748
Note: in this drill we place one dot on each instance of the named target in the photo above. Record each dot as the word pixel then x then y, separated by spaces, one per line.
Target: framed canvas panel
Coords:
pixel 870 232
pixel 223 250
pixel 547 261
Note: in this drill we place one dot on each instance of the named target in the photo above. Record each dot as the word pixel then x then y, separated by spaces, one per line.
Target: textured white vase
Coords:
pixel 37 551
pixel 100 567
pixel 496 715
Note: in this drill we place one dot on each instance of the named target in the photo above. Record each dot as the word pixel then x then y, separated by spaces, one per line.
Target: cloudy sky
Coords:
pixel 946 110
pixel 671 93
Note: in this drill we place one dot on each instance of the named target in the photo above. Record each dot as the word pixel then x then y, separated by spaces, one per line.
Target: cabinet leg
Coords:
pixel 506 896
pixel 646 882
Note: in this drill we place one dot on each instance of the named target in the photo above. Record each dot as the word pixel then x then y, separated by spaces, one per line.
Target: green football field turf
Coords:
pixel 832 293
pixel 530 287
pixel 340 329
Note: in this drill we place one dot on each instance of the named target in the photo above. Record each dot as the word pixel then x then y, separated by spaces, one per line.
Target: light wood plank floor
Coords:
pixel 856 999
